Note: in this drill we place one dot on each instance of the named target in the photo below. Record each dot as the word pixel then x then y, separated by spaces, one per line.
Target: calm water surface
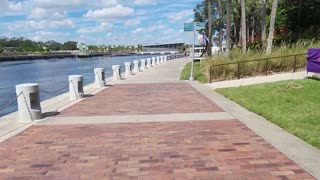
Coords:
pixel 51 74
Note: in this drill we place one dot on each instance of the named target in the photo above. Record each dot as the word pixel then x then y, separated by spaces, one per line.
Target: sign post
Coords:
pixel 193 26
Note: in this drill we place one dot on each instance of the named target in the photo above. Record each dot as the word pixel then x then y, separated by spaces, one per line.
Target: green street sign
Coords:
pixel 200 25
pixel 188 26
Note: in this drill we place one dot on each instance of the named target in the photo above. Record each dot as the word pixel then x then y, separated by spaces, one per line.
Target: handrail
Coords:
pixel 255 60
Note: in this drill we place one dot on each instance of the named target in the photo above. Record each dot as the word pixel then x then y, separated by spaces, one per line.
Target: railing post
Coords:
pixel 295 63
pixel 239 73
pixel 76 87
pixel 28 99
pixel 210 74
pixel 266 67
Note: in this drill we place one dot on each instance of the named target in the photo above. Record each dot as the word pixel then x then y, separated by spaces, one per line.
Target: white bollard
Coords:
pixel 148 63
pixel 99 79
pixel 153 63
pixel 116 72
pixel 143 65
pixel 28 99
pixel 165 59
pixel 158 60
pixel 76 87
pixel 162 59
pixel 135 67
pixel 127 71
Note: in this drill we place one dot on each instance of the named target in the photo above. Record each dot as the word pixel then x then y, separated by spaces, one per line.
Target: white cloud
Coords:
pixel 116 12
pixel 156 27
pixel 16 6
pixel 42 24
pixel 105 3
pixel 138 30
pixel 102 27
pixel 10 7
pixel 47 35
pixel 108 35
pixel 52 4
pixel 178 16
pixel 150 29
pixel 168 31
pixel 41 13
pixel 7 34
pixel 145 2
pixel 132 22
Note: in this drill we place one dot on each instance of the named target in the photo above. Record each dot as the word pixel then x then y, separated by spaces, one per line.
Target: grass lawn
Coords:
pixel 198 75
pixel 292 105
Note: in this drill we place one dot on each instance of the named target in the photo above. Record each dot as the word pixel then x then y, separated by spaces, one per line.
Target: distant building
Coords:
pixel 162 47
pixel 10 49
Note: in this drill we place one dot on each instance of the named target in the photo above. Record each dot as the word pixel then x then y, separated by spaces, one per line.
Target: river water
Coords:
pixel 51 74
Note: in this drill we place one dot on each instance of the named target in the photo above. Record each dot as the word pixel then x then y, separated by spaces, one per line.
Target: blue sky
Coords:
pixel 115 22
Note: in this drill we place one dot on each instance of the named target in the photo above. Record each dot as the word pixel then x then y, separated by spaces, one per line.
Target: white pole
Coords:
pixel 194 36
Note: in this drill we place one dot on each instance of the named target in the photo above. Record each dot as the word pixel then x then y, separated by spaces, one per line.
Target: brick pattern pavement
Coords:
pixel 143 99
pixel 171 150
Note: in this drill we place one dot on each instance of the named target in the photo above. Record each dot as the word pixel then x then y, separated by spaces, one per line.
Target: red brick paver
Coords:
pixel 142 99
pixel 171 150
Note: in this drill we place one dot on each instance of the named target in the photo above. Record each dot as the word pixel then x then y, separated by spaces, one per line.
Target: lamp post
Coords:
pixel 194 37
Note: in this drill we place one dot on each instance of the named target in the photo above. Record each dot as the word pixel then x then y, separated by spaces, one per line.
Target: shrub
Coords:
pixel 274 65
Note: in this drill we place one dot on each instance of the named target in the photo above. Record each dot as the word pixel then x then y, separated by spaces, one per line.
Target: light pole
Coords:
pixel 194 37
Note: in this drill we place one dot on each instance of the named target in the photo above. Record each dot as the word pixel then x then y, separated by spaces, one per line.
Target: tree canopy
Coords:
pixel 294 20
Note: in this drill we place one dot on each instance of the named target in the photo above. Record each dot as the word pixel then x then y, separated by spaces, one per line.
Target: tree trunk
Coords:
pixel 228 33
pixel 220 25
pixel 209 50
pixel 248 33
pixel 240 36
pixel 263 24
pixel 272 22
pixel 252 30
pixel 235 34
pixel 243 27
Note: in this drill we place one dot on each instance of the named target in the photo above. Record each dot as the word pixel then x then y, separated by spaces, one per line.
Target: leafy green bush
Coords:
pixel 278 63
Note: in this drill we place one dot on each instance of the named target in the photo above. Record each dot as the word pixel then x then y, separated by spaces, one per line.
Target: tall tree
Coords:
pixel 228 29
pixel 209 52
pixel 243 27
pixel 220 24
pixel 271 29
pixel 263 23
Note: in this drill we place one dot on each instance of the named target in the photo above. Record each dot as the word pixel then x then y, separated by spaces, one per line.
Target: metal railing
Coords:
pixel 266 68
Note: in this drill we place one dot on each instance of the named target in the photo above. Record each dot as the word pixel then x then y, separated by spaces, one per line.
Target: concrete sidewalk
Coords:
pixel 152 126
pixel 257 80
pixel 166 72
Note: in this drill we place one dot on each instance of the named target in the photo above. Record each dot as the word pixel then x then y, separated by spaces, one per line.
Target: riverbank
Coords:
pixel 37 56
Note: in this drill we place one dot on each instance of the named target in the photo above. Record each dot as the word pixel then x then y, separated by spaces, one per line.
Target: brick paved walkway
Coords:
pixel 171 150
pixel 142 99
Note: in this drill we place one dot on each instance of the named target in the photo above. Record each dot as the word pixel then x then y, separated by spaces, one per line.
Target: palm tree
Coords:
pixel 220 24
pixel 228 33
pixel 271 29
pixel 263 23
pixel 243 27
pixel 209 27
